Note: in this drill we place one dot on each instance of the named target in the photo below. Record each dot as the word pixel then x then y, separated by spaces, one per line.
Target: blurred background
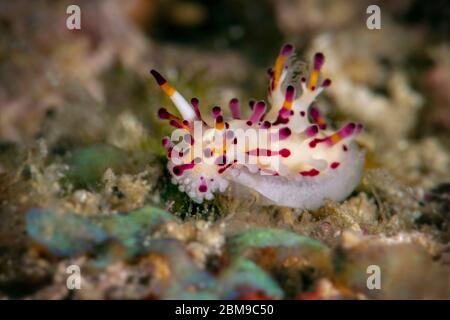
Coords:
pixel 44 65
pixel 79 136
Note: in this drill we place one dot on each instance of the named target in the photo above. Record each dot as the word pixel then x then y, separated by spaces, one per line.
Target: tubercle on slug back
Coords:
pixel 292 139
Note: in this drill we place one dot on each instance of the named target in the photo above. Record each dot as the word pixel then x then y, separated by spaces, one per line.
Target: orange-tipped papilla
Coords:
pixel 343 133
pixel 319 60
pixel 288 97
pixel 285 52
pixel 185 109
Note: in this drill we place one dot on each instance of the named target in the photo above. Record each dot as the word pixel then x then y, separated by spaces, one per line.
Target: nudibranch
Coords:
pixel 286 155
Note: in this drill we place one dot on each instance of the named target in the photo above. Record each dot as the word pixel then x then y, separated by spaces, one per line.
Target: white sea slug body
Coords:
pixel 286 155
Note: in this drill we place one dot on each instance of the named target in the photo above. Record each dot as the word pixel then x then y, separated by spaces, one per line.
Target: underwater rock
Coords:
pixel 293 260
pixel 183 279
pixel 131 229
pixel 407 271
pixel 243 278
pixel 203 239
pixel 270 237
pixel 167 271
pixel 68 234
pixel 63 234
pixel 175 274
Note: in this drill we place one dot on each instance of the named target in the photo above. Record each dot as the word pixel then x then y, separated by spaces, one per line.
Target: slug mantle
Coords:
pixel 286 154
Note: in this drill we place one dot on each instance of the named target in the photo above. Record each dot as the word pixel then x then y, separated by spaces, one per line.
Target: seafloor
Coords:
pixel 82 170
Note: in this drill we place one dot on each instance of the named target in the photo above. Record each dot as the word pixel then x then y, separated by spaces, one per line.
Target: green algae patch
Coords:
pixel 131 229
pixel 293 260
pixel 87 165
pixel 68 234
pixel 63 234
pixel 269 237
pixel 244 273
